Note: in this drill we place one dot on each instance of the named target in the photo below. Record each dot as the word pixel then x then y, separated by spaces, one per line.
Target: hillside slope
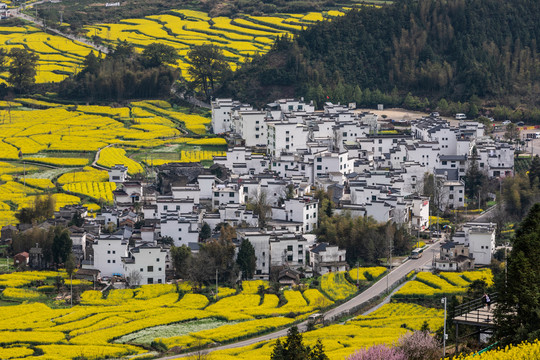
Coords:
pixel 433 48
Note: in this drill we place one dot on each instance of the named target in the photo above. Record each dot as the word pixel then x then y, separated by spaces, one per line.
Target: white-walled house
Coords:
pixel 481 240
pixel 304 211
pixel 285 137
pixel 227 194
pixel 325 258
pixel 182 228
pixel 78 238
pixel 241 161
pixel 166 204
pixel 206 184
pixel 326 162
pixel 251 126
pixel 452 195
pixel 118 174
pixel 148 261
pixel 108 253
pixel 420 213
pixel 222 110
pixel 130 193
pixel 186 193
pixel 288 249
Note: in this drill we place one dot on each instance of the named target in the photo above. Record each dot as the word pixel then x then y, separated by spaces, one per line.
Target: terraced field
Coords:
pixel 239 38
pixel 58 57
pixel 430 285
pixel 47 148
pixel 90 329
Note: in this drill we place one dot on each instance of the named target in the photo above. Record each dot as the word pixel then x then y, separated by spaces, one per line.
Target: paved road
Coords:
pixel 375 290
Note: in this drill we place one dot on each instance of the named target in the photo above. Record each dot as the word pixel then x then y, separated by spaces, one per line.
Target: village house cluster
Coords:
pixel 284 153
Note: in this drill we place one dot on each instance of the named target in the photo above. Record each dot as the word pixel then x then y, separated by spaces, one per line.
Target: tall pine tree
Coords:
pixel 518 309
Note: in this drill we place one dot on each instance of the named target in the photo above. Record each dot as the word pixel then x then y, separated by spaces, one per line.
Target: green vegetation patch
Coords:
pixel 146 336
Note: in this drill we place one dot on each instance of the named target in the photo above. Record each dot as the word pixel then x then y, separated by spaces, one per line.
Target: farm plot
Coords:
pixel 429 285
pixel 142 315
pixel 43 145
pixel 385 325
pixel 239 38
pixel 58 57
pixel 336 286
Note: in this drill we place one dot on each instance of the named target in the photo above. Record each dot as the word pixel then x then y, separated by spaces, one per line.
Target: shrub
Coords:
pixel 378 352
pixel 419 345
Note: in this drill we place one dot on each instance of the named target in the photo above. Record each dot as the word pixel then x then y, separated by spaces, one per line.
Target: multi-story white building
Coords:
pixel 182 228
pixel 222 110
pixel 304 211
pixel 288 249
pixel 481 240
pixel 326 162
pixel 241 161
pixel 325 258
pixel 251 126
pixel 452 195
pixel 227 194
pixel 149 261
pixel 118 174
pixel 285 137
pixel 108 253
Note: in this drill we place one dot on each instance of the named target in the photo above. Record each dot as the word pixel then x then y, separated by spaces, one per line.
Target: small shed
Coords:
pixel 289 277
pixel 21 259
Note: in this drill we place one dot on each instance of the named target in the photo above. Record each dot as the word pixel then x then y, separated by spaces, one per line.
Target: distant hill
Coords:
pixel 453 49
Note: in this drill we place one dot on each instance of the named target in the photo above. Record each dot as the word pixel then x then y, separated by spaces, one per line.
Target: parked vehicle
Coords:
pixel 434 114
pixel 461 116
pixel 506 122
pixel 416 253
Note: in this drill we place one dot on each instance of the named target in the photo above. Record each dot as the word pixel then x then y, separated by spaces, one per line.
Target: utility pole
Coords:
pixel 71 290
pixel 390 256
pixel 217 289
pixel 357 274
pixel 443 300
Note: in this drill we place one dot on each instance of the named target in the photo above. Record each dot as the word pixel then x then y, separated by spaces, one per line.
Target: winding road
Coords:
pixel 377 289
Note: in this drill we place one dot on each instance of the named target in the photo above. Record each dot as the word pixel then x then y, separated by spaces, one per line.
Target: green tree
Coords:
pixel 22 70
pixel 62 245
pixel 157 54
pixel 71 264
pixel 475 180
pixel 123 51
pixel 181 256
pixel 517 314
pixel 208 68
pixel 206 231
pixel 91 63
pixel 246 259
pixel 293 348
pixel 317 352
pixel 42 210
pixel 261 207
pixel 534 170
pixel 3 59
pixel 512 132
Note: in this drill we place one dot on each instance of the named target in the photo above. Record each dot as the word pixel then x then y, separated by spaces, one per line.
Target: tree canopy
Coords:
pixel 246 259
pixel 518 308
pixel 433 49
pixel 22 69
pixel 293 348
pixel 208 69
